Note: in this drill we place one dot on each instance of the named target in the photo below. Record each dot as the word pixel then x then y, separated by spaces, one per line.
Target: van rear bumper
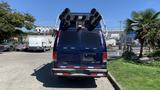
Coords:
pixel 79 72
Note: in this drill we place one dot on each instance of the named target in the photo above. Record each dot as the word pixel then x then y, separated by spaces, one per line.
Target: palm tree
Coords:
pixel 142 22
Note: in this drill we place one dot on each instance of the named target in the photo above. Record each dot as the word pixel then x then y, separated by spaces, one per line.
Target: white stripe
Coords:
pixel 76 66
pixel 99 74
pixel 62 66
pixel 59 73
pixel 90 67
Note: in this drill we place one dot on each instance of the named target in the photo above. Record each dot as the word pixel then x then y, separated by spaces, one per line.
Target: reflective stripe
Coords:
pixel 62 66
pixel 78 74
pixel 66 74
pixel 90 67
pixel 76 66
pixel 100 74
pixel 83 66
pixel 69 66
pixel 59 73
pixel 93 74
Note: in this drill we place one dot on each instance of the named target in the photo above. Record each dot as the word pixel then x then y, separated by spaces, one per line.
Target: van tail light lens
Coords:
pixel 54 56
pixel 104 56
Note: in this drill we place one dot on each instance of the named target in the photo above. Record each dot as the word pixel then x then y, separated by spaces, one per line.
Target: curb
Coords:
pixel 113 81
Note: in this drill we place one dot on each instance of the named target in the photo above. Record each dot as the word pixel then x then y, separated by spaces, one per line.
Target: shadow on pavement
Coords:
pixel 44 75
pixel 30 51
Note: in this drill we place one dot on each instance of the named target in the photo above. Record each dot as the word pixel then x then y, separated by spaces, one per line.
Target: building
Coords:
pixel 45 29
pixel 48 30
pixel 115 35
pixel 120 36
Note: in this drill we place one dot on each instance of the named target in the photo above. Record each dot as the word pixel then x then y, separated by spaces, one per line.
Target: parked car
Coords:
pixel 1 48
pixel 80 48
pixel 8 46
pixel 21 47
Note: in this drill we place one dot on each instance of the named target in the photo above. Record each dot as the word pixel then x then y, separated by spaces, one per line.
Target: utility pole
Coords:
pixel 121 38
pixel 120 24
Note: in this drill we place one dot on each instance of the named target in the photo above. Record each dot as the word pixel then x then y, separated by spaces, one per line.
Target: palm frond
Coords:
pixel 148 14
pixel 137 16
pixel 156 15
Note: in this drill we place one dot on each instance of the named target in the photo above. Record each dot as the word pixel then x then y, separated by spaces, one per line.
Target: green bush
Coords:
pixel 129 55
pixel 155 53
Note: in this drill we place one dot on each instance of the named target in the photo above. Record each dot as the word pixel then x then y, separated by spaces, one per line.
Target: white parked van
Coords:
pixel 38 42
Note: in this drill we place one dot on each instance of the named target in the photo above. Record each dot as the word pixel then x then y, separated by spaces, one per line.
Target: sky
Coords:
pixel 113 11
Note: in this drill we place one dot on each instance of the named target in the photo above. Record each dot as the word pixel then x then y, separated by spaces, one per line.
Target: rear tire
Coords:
pixel 11 49
pixel 44 49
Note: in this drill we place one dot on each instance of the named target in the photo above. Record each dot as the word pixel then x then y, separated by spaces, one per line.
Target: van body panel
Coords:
pixel 80 52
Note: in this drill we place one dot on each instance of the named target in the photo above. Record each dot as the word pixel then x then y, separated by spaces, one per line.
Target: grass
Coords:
pixel 134 76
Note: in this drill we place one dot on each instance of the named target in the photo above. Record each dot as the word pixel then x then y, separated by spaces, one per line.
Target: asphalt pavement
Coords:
pixel 31 71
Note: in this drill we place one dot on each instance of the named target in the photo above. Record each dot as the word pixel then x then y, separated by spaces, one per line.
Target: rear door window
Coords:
pixel 84 39
pixel 69 39
pixel 91 39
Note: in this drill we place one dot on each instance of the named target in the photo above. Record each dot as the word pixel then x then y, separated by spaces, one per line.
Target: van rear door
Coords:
pixel 80 48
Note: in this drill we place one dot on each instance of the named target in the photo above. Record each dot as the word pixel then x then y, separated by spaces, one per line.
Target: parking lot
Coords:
pixel 31 71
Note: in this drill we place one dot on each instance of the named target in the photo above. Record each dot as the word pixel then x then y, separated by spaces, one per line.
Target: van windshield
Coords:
pixel 83 39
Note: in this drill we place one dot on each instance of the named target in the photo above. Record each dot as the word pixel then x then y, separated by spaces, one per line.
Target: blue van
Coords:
pixel 79 48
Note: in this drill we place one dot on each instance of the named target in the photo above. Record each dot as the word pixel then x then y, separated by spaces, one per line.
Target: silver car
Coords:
pixel 1 48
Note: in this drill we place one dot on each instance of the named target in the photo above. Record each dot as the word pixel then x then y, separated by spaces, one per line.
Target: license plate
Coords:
pixel 80 72
pixel 89 56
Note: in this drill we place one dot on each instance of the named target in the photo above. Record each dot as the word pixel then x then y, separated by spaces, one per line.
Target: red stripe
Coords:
pixel 66 74
pixel 97 66
pixel 83 66
pixel 69 67
pixel 93 74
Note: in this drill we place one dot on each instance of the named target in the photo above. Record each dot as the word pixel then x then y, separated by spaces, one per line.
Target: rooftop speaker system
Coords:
pixel 94 19
pixel 64 14
pixel 65 17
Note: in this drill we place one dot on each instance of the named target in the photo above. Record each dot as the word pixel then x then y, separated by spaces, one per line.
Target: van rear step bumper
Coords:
pixel 79 72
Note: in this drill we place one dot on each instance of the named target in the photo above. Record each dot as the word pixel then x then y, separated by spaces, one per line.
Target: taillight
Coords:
pixel 54 56
pixel 104 56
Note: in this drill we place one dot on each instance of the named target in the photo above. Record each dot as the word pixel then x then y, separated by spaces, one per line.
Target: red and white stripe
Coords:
pixel 89 67
pixel 68 74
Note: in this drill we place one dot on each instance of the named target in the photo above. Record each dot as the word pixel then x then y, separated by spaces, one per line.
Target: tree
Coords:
pixel 143 22
pixel 11 21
